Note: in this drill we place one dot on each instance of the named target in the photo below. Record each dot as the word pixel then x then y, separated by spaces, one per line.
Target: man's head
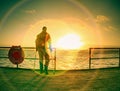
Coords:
pixel 44 29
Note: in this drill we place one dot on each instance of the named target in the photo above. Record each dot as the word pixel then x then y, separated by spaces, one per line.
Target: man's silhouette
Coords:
pixel 43 42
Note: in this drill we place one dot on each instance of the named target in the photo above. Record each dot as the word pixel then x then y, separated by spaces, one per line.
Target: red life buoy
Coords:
pixel 16 54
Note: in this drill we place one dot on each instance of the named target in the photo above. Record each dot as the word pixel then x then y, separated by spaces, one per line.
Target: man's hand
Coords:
pixel 50 48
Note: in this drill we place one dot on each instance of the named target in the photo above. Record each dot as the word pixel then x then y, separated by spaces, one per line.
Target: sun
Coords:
pixel 69 41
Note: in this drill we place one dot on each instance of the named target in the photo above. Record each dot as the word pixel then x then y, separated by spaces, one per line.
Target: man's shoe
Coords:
pixel 41 67
pixel 46 70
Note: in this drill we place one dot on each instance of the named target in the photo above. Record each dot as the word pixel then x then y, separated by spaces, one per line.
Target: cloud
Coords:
pixel 31 11
pixel 102 19
pixel 104 23
pixel 109 28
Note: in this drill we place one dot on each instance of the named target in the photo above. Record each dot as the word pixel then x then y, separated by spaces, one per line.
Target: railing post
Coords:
pixel 54 60
pixel 119 57
pixel 89 58
pixel 17 66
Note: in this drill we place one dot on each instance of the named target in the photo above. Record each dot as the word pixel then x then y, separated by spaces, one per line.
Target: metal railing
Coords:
pixel 90 55
pixel 31 58
pixel 92 58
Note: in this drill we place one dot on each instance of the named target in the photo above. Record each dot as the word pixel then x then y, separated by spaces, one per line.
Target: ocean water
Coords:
pixel 66 59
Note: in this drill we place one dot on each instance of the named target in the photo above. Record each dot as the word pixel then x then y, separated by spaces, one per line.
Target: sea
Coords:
pixel 66 59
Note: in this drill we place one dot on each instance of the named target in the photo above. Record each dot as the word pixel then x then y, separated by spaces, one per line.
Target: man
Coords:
pixel 43 42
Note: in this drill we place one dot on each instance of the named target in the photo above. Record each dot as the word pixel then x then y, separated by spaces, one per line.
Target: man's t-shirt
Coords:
pixel 42 40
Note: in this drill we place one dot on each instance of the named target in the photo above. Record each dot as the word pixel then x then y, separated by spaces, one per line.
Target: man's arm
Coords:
pixel 48 39
pixel 36 44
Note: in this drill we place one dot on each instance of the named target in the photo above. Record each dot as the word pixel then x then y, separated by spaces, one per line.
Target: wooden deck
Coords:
pixel 12 79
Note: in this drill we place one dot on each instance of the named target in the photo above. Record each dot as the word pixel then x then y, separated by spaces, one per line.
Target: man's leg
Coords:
pixel 47 60
pixel 41 61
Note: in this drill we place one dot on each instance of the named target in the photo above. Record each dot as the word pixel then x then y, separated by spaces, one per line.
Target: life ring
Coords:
pixel 16 54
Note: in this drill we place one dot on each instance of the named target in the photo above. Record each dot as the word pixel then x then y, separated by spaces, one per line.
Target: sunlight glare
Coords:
pixel 70 41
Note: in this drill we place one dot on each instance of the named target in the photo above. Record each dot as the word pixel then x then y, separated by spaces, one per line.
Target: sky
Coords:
pixel 75 23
